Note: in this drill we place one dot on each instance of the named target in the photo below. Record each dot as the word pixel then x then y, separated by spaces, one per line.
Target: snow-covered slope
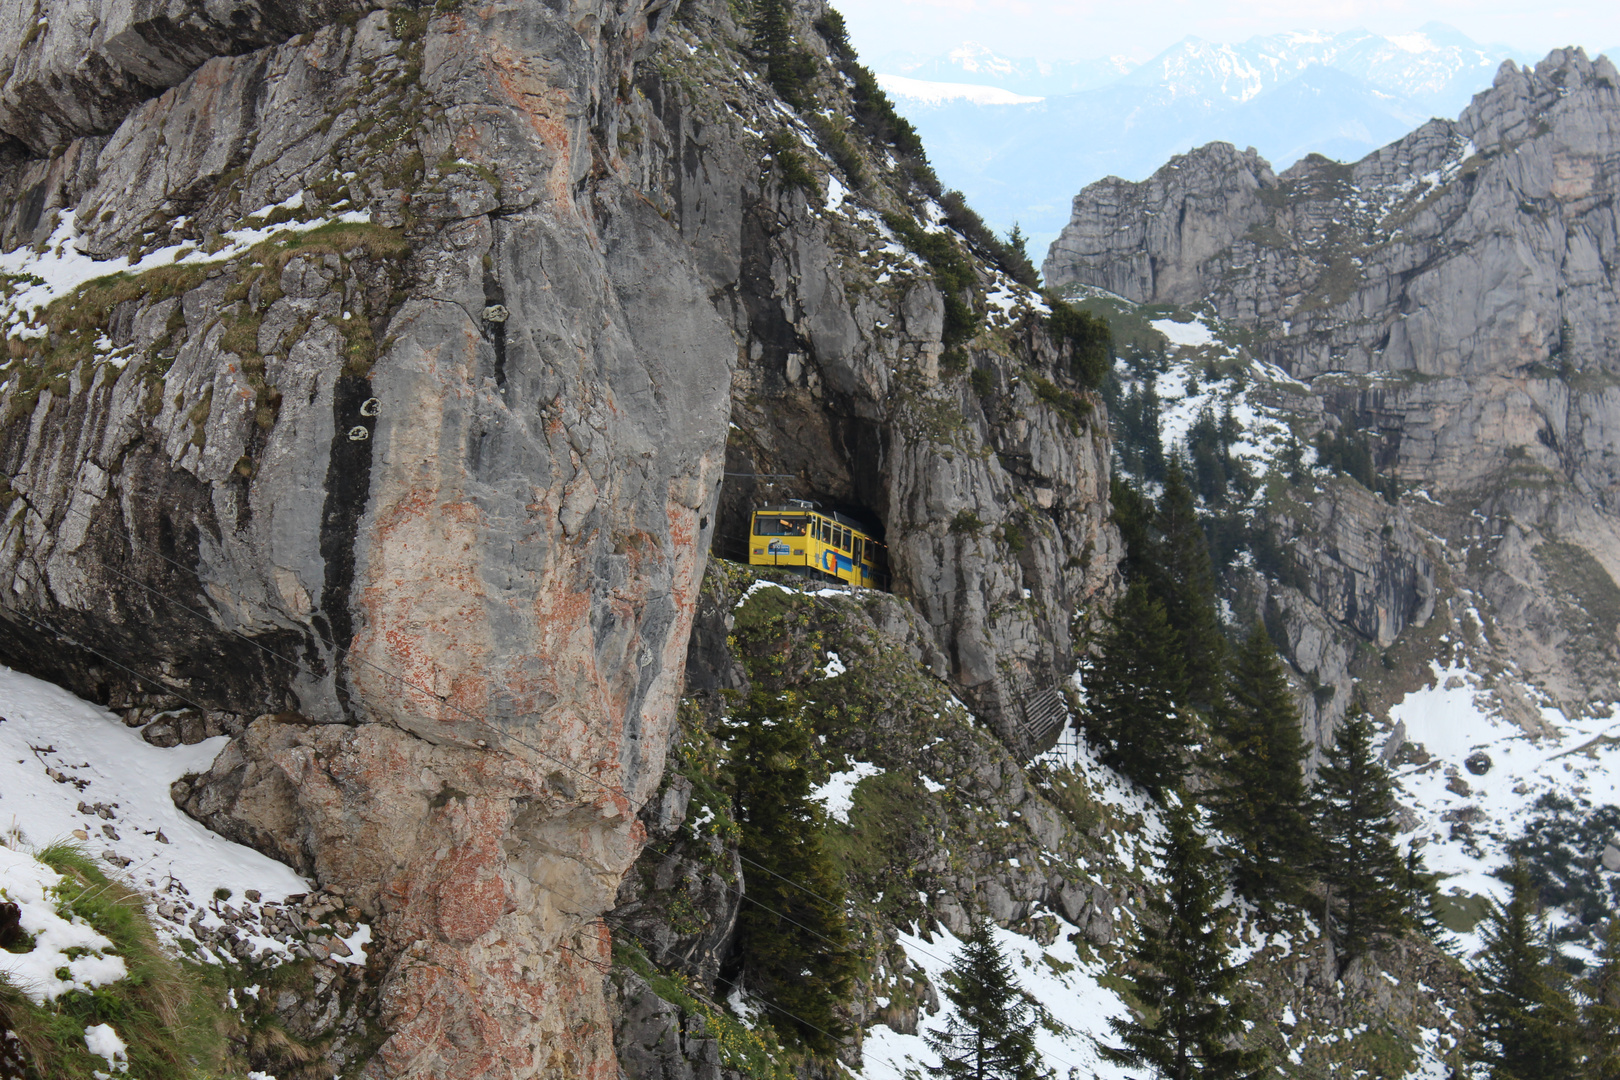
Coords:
pixel 939 93
pixel 1423 66
pixel 1474 780
pixel 1471 773
pixel 71 771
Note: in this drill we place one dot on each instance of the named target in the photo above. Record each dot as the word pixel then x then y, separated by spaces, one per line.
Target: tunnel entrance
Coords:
pixel 825 540
pixel 832 462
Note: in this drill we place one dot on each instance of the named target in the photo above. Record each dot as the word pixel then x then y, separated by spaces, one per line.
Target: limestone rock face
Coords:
pixel 844 395
pixel 77 68
pixel 1453 294
pixel 410 439
pixel 453 560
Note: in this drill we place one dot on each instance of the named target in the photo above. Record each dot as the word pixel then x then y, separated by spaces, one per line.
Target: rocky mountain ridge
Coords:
pixel 386 398
pixel 1450 299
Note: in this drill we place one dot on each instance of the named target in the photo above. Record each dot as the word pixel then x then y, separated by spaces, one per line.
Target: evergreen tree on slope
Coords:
pixel 1134 689
pixel 1527 1023
pixel 992 1034
pixel 1193 1011
pixel 1355 827
pixel 788 67
pixel 1133 517
pixel 1183 581
pixel 1259 799
pixel 793 942
pixel 1600 1011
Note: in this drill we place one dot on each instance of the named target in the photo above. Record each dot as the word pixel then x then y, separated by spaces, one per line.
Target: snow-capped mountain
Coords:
pixel 1341 94
pixel 1430 65
pixel 925 92
pixel 970 62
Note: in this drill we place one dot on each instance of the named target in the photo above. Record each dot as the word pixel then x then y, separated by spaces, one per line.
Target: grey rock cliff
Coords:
pixel 456 556
pixel 77 68
pixel 421 477
pixel 1454 296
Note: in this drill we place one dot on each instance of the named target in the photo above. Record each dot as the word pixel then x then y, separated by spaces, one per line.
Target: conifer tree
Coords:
pixel 1259 799
pixel 1423 899
pixel 1184 582
pixel 1193 1011
pixel 1017 262
pixel 792 941
pixel 1134 689
pixel 1600 1009
pixel 1133 517
pixel 1527 1020
pixel 788 67
pixel 992 1034
pixel 1355 826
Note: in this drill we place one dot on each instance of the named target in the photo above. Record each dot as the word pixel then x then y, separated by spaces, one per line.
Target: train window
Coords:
pixel 777 525
pixel 825 532
pixel 844 539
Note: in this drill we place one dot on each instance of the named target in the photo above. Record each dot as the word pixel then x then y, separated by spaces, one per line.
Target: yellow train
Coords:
pixel 820 544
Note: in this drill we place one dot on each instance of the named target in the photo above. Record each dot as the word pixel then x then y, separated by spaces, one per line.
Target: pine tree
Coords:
pixel 1355 826
pixel 1134 688
pixel 992 1034
pixel 1423 900
pixel 1259 798
pixel 1133 517
pixel 1193 1013
pixel 1600 1010
pixel 788 67
pixel 1184 582
pixel 792 942
pixel 1017 262
pixel 1528 1024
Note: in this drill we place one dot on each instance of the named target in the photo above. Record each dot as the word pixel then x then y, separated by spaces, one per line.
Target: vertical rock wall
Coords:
pixel 402 452
pixel 435 490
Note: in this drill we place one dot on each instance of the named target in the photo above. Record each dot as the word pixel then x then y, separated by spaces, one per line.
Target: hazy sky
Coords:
pixel 1076 29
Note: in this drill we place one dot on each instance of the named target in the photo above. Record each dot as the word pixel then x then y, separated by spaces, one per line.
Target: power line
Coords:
pixel 481 721
pixel 619 792
pixel 47 628
pixel 769 1005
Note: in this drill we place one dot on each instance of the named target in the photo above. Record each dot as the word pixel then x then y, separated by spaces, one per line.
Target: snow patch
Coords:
pixel 1067 987
pixel 939 93
pixel 102 761
pixel 837 795
pixel 102 1041
pixel 59 266
pixel 836 193
pixel 1454 720
pixel 1187 333
pixel 31 885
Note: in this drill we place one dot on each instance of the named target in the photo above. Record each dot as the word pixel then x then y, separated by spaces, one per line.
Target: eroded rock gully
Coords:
pixel 1453 296
pixel 423 474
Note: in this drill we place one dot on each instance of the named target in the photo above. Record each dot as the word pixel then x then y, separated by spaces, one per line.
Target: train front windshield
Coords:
pixel 778 525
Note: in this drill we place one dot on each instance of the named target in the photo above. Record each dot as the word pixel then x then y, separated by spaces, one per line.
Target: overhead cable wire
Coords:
pixel 483 722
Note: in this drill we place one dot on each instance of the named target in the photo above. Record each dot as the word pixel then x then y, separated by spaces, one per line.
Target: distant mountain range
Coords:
pixel 970 63
pixel 1288 95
